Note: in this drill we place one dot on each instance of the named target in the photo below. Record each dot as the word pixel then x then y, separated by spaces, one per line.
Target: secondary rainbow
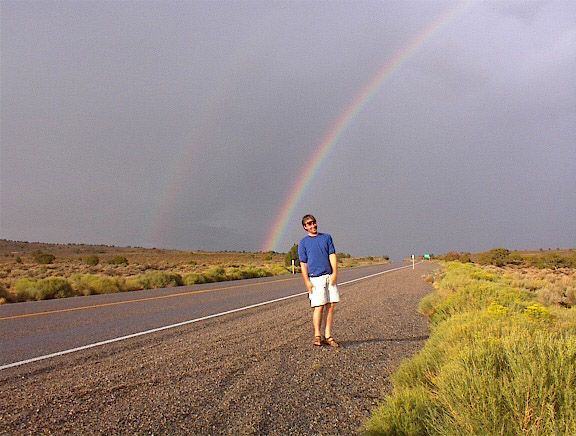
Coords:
pixel 345 119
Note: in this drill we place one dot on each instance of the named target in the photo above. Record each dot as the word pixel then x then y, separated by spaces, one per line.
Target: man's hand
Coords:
pixel 307 282
pixel 334 264
pixel 333 278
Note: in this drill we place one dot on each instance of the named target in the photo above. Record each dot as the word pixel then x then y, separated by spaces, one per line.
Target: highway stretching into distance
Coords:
pixel 46 329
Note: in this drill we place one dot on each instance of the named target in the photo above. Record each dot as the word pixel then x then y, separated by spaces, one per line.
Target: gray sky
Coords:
pixel 185 124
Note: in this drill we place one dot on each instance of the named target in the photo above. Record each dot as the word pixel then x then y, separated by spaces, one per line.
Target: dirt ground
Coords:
pixel 249 373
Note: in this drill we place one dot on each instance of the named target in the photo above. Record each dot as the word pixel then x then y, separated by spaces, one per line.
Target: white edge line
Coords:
pixel 180 324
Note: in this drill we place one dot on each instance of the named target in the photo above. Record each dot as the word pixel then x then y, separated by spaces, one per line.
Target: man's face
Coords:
pixel 311 226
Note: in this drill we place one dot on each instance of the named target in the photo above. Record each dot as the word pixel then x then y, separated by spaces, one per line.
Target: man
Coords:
pixel 319 270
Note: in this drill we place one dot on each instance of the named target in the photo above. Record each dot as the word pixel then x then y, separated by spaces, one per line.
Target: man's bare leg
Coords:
pixel 329 312
pixel 317 319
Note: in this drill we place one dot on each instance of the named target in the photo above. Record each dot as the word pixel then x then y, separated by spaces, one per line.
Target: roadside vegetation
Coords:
pixel 501 356
pixel 36 271
pixel 541 259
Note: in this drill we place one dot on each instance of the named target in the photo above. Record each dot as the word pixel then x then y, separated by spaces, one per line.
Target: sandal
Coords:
pixel 330 341
pixel 317 341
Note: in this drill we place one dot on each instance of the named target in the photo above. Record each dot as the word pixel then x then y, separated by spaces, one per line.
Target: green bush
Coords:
pixel 118 260
pixel 5 297
pixel 451 256
pixel 248 272
pixel 215 274
pixel 193 279
pixel 88 284
pixel 92 260
pixel 153 279
pixel 292 255
pixel 278 270
pixel 403 414
pixel 503 368
pixel 220 274
pixel 484 373
pixel 469 288
pixel 43 258
pixel 24 289
pixel 553 261
pixel 54 287
pixel 29 289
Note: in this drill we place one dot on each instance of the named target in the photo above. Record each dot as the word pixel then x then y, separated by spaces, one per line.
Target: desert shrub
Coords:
pixel 193 279
pixel 403 414
pixel 215 274
pixel 451 256
pixel 118 260
pixel 129 284
pixel 519 386
pixel 537 311
pixel 153 279
pixel 43 258
pixel 30 289
pixel 5 297
pixel 514 358
pixel 54 287
pixel 24 289
pixel 220 274
pixel 464 258
pixel 88 284
pixel 18 259
pixel 92 260
pixel 551 293
pixel 476 296
pixel 516 259
pixel 515 368
pixel 248 272
pixel 465 287
pixel 278 270
pixel 429 303
pixel 553 261
pixel 499 256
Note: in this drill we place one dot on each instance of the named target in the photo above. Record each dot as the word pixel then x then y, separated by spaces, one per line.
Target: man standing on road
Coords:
pixel 320 270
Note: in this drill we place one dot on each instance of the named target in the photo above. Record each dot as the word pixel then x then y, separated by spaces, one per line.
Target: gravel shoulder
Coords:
pixel 249 373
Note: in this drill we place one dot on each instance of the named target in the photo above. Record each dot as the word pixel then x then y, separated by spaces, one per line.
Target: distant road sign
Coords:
pixel 427 256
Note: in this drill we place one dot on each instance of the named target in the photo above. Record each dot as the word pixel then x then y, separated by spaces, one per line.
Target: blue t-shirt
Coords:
pixel 314 251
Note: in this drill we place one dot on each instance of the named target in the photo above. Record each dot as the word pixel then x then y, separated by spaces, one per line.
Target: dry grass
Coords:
pixel 552 287
pixel 496 361
pixel 17 261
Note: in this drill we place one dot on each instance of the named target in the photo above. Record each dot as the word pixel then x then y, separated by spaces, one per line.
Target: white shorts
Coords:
pixel 322 291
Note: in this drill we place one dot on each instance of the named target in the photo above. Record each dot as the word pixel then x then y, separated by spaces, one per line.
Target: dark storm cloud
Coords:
pixel 185 124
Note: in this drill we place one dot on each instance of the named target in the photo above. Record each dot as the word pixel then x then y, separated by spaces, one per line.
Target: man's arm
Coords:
pixel 307 282
pixel 334 264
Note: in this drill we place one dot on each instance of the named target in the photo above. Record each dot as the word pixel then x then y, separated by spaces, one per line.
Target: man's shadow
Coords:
pixel 351 344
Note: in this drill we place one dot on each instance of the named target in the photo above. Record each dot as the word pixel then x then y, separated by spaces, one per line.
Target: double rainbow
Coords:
pixel 346 117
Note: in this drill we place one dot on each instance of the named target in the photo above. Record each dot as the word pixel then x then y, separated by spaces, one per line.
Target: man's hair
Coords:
pixel 306 218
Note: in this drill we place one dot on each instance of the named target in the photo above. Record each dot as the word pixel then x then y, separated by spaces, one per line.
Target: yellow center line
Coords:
pixel 181 294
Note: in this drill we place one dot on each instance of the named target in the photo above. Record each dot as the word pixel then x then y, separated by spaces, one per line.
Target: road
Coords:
pixel 30 330
pixel 248 372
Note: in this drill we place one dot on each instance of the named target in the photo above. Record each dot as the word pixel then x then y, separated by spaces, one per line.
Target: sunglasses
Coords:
pixel 309 223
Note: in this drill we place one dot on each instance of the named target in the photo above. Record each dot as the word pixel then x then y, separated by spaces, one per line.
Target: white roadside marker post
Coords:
pixel 293 266
pixel 413 260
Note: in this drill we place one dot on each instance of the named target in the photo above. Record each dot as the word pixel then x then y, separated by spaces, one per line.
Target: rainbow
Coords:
pixel 199 130
pixel 347 116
